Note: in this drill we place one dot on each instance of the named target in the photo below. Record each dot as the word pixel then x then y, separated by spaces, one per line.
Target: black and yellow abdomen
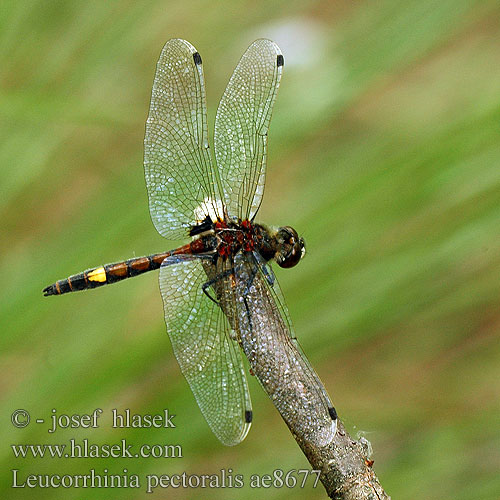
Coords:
pixel 104 275
pixel 111 273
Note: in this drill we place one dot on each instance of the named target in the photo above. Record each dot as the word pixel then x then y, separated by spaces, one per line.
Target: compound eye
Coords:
pixel 292 248
pixel 292 258
pixel 287 235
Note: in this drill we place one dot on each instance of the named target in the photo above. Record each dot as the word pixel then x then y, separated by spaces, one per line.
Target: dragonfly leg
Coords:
pixel 266 269
pixel 250 281
pixel 214 280
pixel 205 287
pixel 268 273
pixel 249 316
pixel 261 264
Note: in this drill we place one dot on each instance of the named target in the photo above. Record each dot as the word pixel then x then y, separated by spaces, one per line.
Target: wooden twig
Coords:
pixel 346 471
pixel 298 394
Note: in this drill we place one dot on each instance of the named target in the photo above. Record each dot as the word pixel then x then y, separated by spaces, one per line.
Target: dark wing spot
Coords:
pixel 197 58
pixel 333 413
pixel 280 61
pixel 248 416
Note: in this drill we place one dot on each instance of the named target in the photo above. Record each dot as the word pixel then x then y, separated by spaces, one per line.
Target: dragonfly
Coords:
pixel 220 295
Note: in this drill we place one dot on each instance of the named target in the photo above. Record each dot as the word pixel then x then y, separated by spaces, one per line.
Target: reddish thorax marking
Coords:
pixel 231 238
pixel 234 238
pixel 249 241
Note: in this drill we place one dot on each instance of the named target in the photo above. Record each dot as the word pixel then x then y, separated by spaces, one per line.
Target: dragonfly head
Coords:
pixel 290 248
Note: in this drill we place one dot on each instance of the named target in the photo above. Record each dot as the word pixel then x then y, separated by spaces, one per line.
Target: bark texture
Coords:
pixel 346 471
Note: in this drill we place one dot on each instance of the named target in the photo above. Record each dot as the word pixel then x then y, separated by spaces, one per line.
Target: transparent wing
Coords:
pixel 241 126
pixel 180 177
pixel 209 358
pixel 276 357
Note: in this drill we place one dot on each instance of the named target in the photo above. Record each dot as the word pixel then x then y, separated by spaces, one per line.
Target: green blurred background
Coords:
pixel 384 152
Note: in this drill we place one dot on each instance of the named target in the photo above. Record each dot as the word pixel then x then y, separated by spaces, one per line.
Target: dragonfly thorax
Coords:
pixel 283 245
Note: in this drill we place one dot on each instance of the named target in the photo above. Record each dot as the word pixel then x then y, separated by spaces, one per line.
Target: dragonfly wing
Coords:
pixel 241 126
pixel 180 177
pixel 275 355
pixel 209 358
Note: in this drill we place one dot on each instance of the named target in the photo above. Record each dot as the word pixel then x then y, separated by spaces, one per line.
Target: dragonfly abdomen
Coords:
pixel 104 275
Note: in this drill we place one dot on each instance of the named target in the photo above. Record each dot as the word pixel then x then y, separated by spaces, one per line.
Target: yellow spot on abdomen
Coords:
pixel 98 274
